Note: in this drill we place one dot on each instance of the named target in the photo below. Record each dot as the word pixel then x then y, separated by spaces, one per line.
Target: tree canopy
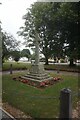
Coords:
pixel 15 54
pixel 69 24
pixel 26 53
pixel 57 26
pixel 9 44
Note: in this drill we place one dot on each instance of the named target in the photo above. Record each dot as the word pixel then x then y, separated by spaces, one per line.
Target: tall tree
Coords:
pixel 41 18
pixel 15 54
pixel 9 43
pixel 26 53
pixel 55 23
pixel 68 26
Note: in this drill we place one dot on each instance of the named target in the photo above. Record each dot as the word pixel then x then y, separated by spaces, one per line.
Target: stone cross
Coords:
pixel 37 39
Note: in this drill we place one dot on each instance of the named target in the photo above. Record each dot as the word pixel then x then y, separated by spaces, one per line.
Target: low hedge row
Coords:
pixel 25 66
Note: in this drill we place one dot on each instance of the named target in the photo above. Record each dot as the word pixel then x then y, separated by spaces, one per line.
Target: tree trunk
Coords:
pixel 71 62
pixel 28 59
pixel 46 60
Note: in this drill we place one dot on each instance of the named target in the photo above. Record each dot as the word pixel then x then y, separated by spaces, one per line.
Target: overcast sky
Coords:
pixel 11 12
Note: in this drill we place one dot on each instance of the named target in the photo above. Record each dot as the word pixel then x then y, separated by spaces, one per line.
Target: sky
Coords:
pixel 11 13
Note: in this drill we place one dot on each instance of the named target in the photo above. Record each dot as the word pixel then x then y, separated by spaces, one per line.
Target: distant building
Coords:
pixel 23 59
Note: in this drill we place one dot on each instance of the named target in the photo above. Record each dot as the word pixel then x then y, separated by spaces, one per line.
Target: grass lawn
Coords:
pixel 21 95
pixel 15 66
pixel 22 66
pixel 62 67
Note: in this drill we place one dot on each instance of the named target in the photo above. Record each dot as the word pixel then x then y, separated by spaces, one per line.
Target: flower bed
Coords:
pixel 42 84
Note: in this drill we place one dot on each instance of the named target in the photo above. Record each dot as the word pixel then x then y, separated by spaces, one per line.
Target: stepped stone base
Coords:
pixel 37 74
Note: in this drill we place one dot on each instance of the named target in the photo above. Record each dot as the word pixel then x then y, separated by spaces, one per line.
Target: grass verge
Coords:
pixel 28 99
pixel 15 66
pixel 23 66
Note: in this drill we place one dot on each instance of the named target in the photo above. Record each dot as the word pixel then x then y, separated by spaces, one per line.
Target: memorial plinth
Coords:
pixel 36 72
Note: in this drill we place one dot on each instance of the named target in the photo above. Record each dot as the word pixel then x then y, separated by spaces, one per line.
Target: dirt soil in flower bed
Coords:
pixel 43 84
pixel 76 112
pixel 16 113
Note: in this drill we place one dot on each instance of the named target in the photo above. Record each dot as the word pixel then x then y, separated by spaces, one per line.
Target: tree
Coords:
pixel 68 26
pixel 5 51
pixel 33 56
pixel 26 53
pixel 41 18
pixel 15 55
pixel 9 43
pixel 57 25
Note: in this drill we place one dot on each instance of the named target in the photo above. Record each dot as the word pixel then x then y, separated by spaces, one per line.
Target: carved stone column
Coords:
pixel 37 72
pixel 36 49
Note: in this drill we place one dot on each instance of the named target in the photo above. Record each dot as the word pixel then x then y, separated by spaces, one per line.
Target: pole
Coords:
pixel 65 104
pixel 10 68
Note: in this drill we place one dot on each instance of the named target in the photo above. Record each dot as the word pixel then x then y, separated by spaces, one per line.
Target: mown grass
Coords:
pixel 15 66
pixel 21 95
pixel 23 66
pixel 62 67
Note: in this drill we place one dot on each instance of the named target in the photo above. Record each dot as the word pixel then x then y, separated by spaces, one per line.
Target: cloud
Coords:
pixel 11 12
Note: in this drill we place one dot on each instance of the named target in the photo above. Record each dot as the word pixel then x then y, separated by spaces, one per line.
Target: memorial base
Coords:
pixel 37 74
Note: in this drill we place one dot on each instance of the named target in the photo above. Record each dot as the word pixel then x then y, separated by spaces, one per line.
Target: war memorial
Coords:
pixel 37 73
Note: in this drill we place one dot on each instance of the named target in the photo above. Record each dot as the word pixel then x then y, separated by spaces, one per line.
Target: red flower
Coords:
pixel 55 79
pixel 24 81
pixel 33 83
pixel 42 84
pixel 46 82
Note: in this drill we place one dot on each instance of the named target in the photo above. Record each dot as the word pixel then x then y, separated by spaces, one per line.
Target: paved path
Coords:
pixel 49 71
pixel 5 115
